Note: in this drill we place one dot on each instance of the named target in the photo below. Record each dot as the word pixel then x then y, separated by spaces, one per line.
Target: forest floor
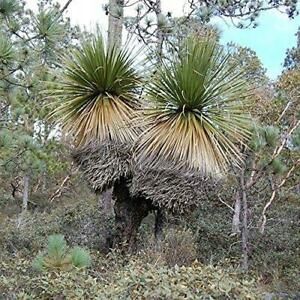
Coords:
pixel 176 269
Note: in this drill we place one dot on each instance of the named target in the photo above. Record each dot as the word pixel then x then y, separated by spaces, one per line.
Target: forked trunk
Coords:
pixel 129 213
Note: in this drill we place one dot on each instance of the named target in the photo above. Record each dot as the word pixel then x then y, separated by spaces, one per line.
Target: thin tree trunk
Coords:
pixel 159 34
pixel 236 222
pixel 25 201
pixel 25 193
pixel 44 182
pixel 245 265
pixel 115 22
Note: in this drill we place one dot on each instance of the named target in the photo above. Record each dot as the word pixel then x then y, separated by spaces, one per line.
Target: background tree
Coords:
pixel 31 153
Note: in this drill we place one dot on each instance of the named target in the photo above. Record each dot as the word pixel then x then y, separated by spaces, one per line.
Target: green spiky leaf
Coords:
pixel 8 7
pixel 48 26
pixel 38 263
pixel 57 246
pixel 258 140
pixel 97 93
pixel 271 135
pixel 80 257
pixel 278 166
pixel 6 50
pixel 197 112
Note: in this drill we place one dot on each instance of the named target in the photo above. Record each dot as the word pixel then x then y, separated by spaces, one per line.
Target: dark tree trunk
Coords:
pixel 160 219
pixel 106 215
pixel 129 213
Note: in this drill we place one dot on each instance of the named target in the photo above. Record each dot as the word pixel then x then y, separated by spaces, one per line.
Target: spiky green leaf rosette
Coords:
pixel 196 116
pixel 97 105
pixel 97 93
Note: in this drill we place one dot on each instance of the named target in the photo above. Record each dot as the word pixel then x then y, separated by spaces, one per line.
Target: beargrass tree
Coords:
pixel 163 149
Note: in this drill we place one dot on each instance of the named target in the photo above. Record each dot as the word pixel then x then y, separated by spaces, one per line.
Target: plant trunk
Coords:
pixel 106 215
pixel 25 193
pixel 236 216
pixel 159 224
pixel 105 202
pixel 25 201
pixel 129 213
pixel 159 33
pixel 115 22
pixel 245 265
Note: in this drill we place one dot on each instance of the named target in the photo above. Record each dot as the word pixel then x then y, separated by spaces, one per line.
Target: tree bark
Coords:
pixel 106 214
pixel 25 193
pixel 159 34
pixel 236 222
pixel 159 224
pixel 115 22
pixel 25 201
pixel 245 265
pixel 129 213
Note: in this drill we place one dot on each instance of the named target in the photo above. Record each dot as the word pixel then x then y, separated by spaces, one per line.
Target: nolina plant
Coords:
pixel 59 257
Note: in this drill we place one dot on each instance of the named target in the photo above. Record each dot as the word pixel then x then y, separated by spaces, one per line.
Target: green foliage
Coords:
pixel 246 12
pixel 264 136
pixel 57 246
pixel 208 240
pixel 177 247
pixel 271 135
pixel 278 166
pixel 97 93
pixel 58 257
pixel 38 263
pixel 6 50
pixel 197 110
pixel 132 280
pixel 296 138
pixel 48 26
pixel 147 281
pixel 30 47
pixel 80 222
pixel 247 60
pixel 257 141
pixel 292 60
pixel 8 7
pixel 80 258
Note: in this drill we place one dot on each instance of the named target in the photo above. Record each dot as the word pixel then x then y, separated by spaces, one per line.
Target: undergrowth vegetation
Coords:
pixel 113 277
pixel 59 257
pixel 198 260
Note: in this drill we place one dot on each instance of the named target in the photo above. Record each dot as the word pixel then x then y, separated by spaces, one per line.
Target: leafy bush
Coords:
pixel 178 247
pixel 134 280
pixel 58 257
pixel 80 223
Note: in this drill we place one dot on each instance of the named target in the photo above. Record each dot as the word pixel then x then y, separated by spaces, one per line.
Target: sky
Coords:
pixel 270 40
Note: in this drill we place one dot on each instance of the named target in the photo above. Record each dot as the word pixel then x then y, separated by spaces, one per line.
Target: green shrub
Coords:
pixel 80 258
pixel 57 246
pixel 58 257
pixel 80 223
pixel 178 247
pixel 133 280
pixel 148 281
